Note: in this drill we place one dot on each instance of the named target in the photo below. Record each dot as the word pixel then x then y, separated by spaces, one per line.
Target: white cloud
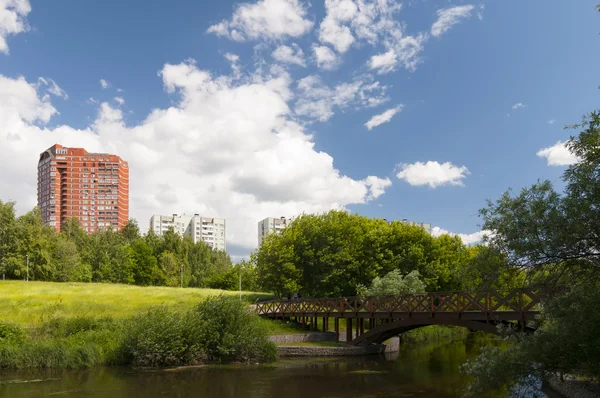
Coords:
pixel 317 100
pixel 12 20
pixel 409 50
pixel 377 186
pixel 551 121
pixel 119 100
pixel 289 55
pixel 480 12
pixel 372 21
pixel 51 87
pixel 226 148
pixel 448 17
pixel 92 101
pixel 383 117
pixel 266 19
pixel 104 84
pixel 518 105
pixel 466 238
pixel 558 155
pixel 326 58
pixel 432 173
pixel 385 62
pixel 350 21
pixel 332 31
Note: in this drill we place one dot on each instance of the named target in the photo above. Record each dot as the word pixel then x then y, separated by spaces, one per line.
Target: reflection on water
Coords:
pixel 421 371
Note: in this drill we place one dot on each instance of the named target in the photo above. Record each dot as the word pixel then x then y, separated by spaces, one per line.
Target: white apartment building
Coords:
pixel 270 225
pixel 208 229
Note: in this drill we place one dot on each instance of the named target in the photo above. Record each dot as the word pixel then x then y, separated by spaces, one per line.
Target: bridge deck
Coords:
pixel 460 307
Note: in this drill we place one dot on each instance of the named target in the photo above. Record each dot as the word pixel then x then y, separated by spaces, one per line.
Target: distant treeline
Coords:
pixel 125 257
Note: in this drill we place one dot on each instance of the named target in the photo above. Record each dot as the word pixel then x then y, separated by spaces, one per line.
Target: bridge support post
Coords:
pixel 325 323
pixel 336 325
pixel 348 330
pixel 362 325
pixel 357 327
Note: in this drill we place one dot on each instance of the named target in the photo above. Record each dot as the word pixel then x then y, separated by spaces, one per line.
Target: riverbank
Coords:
pixel 216 330
pixel 571 387
pixel 322 344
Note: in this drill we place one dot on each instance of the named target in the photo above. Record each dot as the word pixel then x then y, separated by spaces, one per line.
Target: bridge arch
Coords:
pixel 397 327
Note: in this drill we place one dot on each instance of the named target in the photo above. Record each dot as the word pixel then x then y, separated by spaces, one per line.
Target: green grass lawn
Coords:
pixel 30 303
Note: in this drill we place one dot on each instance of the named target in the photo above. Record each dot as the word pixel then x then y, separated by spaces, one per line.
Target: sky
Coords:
pixel 416 109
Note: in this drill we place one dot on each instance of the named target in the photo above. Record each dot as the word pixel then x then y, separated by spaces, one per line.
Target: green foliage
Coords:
pixel 331 254
pixel 11 334
pixel 554 237
pixel 393 283
pixel 221 329
pixel 550 233
pixel 105 256
pixel 158 338
pixel 433 333
pixel 227 331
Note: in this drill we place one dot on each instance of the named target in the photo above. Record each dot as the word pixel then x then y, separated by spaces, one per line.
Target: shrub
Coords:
pixel 220 329
pixel 227 331
pixel 158 338
pixel 11 334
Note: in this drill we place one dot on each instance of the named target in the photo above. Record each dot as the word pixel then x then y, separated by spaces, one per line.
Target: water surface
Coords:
pixel 419 371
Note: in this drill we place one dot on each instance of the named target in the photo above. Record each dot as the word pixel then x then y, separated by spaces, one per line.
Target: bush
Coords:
pixel 158 338
pixel 11 334
pixel 227 331
pixel 220 329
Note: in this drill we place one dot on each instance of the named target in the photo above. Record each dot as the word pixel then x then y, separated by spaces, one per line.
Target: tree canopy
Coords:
pixel 555 237
pixel 106 256
pixel 331 254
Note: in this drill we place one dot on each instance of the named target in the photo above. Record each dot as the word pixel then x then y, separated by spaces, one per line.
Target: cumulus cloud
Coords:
pixel 467 239
pixel 432 173
pixel 266 19
pixel 317 100
pixel 448 17
pixel 558 155
pixel 325 57
pixel 383 117
pixel 12 20
pixel 374 22
pixel 518 105
pixel 227 148
pixel 104 84
pixel 119 100
pixel 289 55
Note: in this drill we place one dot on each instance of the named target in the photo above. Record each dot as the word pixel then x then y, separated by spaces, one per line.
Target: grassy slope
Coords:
pixel 29 303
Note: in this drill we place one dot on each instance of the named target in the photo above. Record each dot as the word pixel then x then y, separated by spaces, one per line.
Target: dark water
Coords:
pixel 422 371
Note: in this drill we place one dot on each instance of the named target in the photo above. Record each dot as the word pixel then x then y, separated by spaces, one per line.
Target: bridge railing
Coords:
pixel 517 300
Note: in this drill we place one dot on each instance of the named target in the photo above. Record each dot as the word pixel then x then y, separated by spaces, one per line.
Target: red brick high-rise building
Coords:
pixel 93 187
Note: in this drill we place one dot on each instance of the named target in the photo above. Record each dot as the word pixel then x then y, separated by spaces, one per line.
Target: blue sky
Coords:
pixel 217 105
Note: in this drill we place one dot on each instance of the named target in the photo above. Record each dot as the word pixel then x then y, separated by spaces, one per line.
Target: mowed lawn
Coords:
pixel 30 303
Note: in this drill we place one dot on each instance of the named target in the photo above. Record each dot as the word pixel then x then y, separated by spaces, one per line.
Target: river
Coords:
pixel 428 370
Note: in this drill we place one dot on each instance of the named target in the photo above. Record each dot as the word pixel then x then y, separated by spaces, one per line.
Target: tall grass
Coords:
pixel 218 329
pixel 33 303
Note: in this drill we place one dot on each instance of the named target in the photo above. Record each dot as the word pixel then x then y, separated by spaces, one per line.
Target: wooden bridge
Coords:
pixel 376 319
